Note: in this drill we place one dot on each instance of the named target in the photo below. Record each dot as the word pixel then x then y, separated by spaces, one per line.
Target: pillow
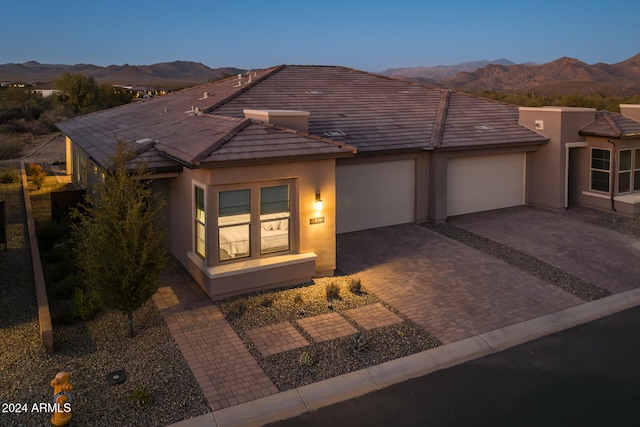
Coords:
pixel 267 226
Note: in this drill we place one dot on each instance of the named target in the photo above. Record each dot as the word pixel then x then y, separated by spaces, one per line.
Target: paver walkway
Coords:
pixel 373 316
pixel 326 327
pixel 602 257
pixel 450 289
pixel 273 339
pixel 226 371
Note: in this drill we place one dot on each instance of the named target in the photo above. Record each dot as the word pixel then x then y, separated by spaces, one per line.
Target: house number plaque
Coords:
pixel 318 220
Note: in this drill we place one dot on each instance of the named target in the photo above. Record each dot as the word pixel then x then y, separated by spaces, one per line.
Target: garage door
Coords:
pixel 374 195
pixel 483 183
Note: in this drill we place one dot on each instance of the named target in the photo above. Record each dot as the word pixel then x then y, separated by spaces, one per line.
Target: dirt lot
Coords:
pixel 45 149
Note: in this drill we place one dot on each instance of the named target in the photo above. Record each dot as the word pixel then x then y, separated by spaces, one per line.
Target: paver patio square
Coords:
pixel 273 339
pixel 327 327
pixel 373 316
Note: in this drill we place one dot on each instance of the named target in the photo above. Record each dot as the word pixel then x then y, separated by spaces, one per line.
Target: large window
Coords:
pixel 600 169
pixel 200 233
pixel 636 170
pixel 254 221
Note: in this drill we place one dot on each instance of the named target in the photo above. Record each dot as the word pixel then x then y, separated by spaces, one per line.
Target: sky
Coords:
pixel 368 35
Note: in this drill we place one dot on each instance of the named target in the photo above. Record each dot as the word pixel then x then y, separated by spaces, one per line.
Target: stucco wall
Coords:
pixel 547 167
pixel 306 177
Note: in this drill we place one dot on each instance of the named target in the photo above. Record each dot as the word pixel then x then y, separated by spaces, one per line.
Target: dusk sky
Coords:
pixel 368 35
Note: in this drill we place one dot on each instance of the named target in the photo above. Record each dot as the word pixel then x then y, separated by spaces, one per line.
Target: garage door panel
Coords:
pixel 476 184
pixel 374 195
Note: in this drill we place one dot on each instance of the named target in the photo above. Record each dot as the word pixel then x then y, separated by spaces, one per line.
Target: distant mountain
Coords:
pixel 562 76
pixel 162 74
pixel 439 72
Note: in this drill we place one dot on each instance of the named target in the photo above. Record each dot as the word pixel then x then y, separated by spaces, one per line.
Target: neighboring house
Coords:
pixel 592 158
pixel 263 170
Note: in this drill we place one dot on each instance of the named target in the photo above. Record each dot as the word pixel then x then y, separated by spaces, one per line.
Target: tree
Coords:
pixel 81 93
pixel 121 242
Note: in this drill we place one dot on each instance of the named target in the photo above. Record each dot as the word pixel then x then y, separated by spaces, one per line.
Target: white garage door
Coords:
pixel 483 183
pixel 374 195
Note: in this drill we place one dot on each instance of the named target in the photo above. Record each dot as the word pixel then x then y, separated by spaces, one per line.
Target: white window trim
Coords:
pixel 194 219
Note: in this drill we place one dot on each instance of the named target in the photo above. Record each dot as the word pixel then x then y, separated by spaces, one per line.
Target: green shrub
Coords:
pixel 238 307
pixel 86 303
pixel 141 396
pixel 51 233
pixel 66 288
pixel 359 342
pixel 9 177
pixel 355 286
pixel 305 359
pixel 332 290
pixel 298 299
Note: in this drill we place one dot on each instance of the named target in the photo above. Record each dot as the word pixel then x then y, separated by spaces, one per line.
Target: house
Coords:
pixel 592 158
pixel 263 170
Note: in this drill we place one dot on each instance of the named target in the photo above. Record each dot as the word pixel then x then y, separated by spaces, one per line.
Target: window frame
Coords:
pixel 256 219
pixel 593 169
pixel 199 224
pixel 627 171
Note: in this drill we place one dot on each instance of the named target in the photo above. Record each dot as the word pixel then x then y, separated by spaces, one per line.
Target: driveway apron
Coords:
pixel 602 257
pixel 450 289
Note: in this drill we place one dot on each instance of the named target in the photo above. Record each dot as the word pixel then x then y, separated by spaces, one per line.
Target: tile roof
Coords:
pixel 612 125
pixel 206 124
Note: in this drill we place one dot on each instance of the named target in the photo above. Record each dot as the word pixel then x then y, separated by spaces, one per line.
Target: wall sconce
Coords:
pixel 318 203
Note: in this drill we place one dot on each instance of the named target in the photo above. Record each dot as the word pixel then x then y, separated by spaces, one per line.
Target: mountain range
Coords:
pixel 562 76
pixel 181 73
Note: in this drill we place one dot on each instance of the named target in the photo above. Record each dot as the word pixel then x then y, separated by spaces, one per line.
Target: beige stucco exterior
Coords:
pixel 548 167
pixel 313 249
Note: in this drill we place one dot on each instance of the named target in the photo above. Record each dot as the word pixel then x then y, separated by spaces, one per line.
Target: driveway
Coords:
pixel 602 257
pixel 450 289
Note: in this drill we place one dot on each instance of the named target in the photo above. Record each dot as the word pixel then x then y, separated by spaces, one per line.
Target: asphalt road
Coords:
pixel 586 376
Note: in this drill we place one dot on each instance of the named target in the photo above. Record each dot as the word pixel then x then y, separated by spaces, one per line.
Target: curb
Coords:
pixel 297 401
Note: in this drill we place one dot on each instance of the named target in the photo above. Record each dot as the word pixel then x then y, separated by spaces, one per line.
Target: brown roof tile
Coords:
pixel 612 125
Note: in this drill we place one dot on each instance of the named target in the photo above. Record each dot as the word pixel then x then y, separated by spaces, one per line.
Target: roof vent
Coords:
pixel 144 140
pixel 314 92
pixel 484 127
pixel 405 91
pixel 206 95
pixel 334 134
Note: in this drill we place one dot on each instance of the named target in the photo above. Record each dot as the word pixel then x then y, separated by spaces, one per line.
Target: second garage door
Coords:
pixel 374 195
pixel 482 183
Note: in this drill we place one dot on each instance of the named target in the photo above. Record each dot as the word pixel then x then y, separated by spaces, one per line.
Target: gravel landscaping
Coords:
pixel 531 265
pixel 330 358
pixel 89 350
pixel 628 226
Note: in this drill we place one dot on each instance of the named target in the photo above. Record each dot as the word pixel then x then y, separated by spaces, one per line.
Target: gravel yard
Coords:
pixel 89 350
pixel 328 358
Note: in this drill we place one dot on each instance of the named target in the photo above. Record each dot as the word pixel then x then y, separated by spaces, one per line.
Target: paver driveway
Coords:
pixel 448 288
pixel 602 257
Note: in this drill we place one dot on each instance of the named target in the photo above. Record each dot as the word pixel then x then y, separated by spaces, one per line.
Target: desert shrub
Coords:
pixel 332 290
pixel 305 359
pixel 11 149
pixel 355 286
pixel 9 177
pixel 266 300
pixel 37 174
pixel 86 303
pixel 359 342
pixel 238 307
pixel 65 288
pixel 298 299
pixel 51 233
pixel 141 396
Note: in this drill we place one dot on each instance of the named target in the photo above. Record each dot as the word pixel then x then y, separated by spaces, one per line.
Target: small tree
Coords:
pixel 121 243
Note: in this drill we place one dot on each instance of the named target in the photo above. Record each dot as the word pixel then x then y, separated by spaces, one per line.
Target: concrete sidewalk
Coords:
pixel 297 401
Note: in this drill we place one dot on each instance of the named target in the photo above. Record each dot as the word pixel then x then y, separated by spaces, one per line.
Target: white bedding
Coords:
pixel 274 237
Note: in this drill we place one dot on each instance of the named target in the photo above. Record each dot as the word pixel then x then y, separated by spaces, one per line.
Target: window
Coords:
pixel 234 222
pixel 254 222
pixel 636 170
pixel 600 169
pixel 624 171
pixel 200 235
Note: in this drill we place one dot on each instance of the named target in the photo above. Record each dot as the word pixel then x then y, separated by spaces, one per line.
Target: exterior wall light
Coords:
pixel 318 203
